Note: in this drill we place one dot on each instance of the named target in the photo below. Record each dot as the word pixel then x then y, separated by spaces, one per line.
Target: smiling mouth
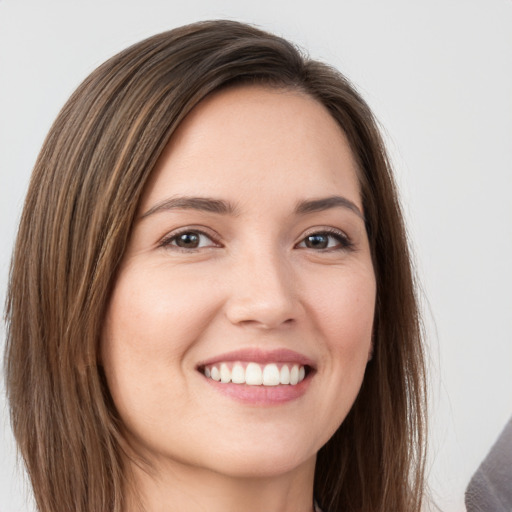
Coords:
pixel 255 374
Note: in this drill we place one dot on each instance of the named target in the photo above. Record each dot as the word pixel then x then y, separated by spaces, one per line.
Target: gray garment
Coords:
pixel 490 489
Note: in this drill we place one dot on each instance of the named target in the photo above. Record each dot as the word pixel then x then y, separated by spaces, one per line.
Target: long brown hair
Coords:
pixel 75 225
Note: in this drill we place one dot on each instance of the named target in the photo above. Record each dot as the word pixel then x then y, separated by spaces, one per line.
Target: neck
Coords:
pixel 179 487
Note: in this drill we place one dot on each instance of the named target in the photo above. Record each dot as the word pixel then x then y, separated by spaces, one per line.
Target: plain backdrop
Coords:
pixel 438 75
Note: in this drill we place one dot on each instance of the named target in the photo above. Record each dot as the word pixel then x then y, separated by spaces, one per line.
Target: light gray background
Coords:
pixel 438 74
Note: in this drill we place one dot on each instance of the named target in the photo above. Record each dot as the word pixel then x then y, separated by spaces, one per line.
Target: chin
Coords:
pixel 262 463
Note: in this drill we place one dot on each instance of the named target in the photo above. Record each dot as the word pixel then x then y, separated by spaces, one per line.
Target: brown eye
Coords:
pixel 317 241
pixel 325 241
pixel 189 240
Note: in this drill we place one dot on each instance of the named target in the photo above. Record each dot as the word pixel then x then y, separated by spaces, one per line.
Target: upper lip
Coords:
pixel 258 355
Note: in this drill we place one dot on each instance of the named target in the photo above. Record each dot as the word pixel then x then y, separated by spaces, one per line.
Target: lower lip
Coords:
pixel 262 395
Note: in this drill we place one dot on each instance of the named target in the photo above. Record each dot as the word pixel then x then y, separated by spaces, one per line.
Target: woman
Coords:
pixel 211 304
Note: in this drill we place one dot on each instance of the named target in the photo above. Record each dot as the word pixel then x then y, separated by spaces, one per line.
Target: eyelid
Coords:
pixel 345 243
pixel 166 241
pixel 344 240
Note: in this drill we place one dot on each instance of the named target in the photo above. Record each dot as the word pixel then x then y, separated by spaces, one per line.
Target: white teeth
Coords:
pixel 294 375
pixel 225 373
pixel 215 373
pixel 237 374
pixel 255 374
pixel 285 375
pixel 271 375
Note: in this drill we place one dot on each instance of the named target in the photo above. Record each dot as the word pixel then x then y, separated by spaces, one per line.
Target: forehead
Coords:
pixel 256 139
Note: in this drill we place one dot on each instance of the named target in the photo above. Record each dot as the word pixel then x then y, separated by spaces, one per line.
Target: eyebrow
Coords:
pixel 205 204
pixel 222 207
pixel 326 203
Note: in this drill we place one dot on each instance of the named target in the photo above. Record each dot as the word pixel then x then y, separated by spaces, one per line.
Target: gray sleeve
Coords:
pixel 490 489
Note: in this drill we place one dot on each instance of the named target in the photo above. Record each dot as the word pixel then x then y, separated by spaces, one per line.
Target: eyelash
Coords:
pixel 168 241
pixel 343 241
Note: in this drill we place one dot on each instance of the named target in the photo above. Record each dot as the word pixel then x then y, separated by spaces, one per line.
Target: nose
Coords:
pixel 263 292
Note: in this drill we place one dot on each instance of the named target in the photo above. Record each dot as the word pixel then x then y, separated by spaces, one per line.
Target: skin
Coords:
pixel 254 281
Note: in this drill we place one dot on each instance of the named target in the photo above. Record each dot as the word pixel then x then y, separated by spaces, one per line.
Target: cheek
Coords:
pixel 157 314
pixel 152 322
pixel 347 304
pixel 342 305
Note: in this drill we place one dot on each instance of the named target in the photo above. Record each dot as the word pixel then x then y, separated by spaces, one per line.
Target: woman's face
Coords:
pixel 248 261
